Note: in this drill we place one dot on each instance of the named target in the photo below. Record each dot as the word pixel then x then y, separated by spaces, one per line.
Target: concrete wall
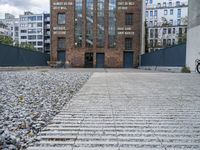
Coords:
pixel 193 37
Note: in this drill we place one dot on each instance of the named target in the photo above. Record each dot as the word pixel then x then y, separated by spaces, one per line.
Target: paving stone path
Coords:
pixel 128 111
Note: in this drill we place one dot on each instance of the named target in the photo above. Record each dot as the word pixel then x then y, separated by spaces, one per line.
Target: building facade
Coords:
pixel 166 23
pixel 96 33
pixel 193 36
pixel 4 30
pixel 12 24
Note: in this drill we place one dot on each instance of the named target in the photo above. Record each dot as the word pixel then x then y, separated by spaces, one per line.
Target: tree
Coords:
pixel 6 40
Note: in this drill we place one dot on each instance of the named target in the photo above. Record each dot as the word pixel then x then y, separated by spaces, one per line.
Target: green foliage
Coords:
pixel 185 70
pixel 6 40
pixel 27 46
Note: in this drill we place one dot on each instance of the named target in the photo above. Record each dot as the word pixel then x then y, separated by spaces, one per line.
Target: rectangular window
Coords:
pixel 179 13
pixel 61 43
pixel 90 23
pixel 129 19
pixel 61 19
pixel 151 13
pixel 151 33
pixel 100 23
pixel 128 43
pixel 169 30
pixel 165 12
pixel 112 24
pixel 171 11
pixel 78 23
pixel 156 33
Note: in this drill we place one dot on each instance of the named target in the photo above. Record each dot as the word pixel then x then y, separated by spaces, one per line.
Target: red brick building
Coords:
pixel 96 33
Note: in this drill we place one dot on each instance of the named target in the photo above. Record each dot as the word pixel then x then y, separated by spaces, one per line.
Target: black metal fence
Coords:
pixel 14 56
pixel 173 57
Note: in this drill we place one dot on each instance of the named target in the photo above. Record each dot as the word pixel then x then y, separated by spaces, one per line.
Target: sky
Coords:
pixel 17 7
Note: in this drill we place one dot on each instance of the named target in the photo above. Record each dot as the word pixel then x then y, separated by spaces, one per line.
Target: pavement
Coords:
pixel 128 111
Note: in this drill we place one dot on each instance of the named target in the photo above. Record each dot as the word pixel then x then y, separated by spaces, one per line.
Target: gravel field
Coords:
pixel 29 100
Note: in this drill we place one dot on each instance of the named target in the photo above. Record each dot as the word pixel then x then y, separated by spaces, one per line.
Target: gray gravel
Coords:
pixel 29 100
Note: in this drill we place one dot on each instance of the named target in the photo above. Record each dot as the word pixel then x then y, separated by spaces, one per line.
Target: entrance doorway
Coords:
pixel 128 59
pixel 100 57
pixel 89 60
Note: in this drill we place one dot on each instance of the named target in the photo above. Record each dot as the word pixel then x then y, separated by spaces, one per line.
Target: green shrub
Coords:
pixel 185 70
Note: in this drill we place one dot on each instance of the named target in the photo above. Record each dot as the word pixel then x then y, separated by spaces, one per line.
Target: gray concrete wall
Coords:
pixel 193 37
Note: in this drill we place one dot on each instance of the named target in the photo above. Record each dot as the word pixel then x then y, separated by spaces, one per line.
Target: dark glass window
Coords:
pixel 90 22
pixel 61 43
pixel 128 43
pixel 100 23
pixel 61 18
pixel 112 24
pixel 78 23
pixel 129 19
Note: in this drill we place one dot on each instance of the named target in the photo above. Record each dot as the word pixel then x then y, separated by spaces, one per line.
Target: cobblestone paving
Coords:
pixel 129 111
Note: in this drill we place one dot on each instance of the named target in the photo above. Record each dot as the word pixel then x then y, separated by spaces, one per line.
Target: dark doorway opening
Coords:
pixel 100 57
pixel 89 60
pixel 128 59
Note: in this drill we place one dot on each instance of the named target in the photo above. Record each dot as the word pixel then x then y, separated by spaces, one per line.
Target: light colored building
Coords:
pixel 12 24
pixel 166 23
pixel 4 30
pixel 193 37
pixel 34 29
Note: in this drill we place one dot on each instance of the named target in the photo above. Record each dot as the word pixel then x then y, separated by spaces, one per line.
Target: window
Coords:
pixel 39 37
pixel 169 42
pixel 100 22
pixel 158 5
pixel 174 30
pixel 155 23
pixel 39 18
pixel 164 31
pixel 180 31
pixel 23 37
pixel 89 24
pixel 78 23
pixel 165 12
pixel 155 13
pixel 169 30
pixel 128 43
pixel 151 43
pixel 61 43
pixel 164 4
pixel 150 1
pixel 156 43
pixel 32 37
pixel 179 22
pixel 171 22
pixel 112 24
pixel 151 13
pixel 151 33
pixel 164 42
pixel 40 43
pixel 179 13
pixel 171 11
pixel 147 13
pixel 170 4
pixel 156 33
pixel 173 42
pixel 129 19
pixel 23 31
pixel 177 3
pixel 61 19
pixel 39 24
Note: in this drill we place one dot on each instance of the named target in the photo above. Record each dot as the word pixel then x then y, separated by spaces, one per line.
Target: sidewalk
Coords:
pixel 128 111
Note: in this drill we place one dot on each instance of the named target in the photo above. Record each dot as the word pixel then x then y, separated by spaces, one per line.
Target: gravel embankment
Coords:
pixel 29 100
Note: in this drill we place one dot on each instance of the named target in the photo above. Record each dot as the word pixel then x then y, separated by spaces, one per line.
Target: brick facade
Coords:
pixel 113 56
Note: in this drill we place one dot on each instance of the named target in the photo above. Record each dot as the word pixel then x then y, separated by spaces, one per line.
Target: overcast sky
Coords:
pixel 17 7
